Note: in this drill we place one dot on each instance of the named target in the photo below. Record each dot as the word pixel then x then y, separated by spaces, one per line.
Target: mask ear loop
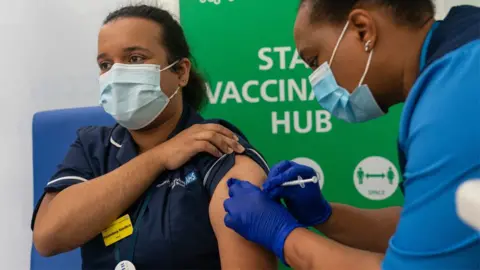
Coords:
pixel 170 66
pixel 338 42
pixel 174 94
pixel 367 47
pixel 178 88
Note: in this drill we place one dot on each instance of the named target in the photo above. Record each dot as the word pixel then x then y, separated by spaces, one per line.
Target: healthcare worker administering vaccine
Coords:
pixel 368 55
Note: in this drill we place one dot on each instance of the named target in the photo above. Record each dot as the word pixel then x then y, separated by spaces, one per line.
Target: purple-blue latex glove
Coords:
pixel 306 203
pixel 257 217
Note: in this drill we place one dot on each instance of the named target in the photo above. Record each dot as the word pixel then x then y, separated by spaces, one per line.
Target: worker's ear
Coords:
pixel 182 69
pixel 365 27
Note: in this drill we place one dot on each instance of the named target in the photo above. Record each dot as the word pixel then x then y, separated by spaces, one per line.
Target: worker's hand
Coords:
pixel 306 203
pixel 258 218
pixel 210 138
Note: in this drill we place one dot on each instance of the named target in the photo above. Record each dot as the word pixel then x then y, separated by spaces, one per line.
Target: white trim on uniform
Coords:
pixel 211 168
pixel 67 178
pixel 115 143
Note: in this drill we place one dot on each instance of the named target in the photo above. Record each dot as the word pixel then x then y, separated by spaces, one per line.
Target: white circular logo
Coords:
pixel 125 265
pixel 312 164
pixel 376 178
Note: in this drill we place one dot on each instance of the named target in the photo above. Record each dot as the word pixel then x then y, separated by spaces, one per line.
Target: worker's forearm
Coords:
pixel 79 213
pixel 307 250
pixel 361 228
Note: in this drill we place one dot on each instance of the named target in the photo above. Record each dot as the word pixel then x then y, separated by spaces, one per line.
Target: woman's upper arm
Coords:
pixel 235 251
pixel 47 198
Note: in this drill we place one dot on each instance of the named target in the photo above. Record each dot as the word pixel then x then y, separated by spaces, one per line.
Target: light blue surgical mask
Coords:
pixel 360 106
pixel 132 95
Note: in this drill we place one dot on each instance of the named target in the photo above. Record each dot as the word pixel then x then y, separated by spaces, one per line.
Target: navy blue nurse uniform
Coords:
pixel 175 232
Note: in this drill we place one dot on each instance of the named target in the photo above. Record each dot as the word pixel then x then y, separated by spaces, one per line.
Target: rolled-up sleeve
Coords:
pixel 223 165
pixel 73 170
pixel 214 170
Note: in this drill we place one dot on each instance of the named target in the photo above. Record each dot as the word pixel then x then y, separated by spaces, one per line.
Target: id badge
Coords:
pixel 118 230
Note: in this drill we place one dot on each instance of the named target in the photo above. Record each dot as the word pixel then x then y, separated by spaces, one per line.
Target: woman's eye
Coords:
pixel 313 63
pixel 105 66
pixel 136 59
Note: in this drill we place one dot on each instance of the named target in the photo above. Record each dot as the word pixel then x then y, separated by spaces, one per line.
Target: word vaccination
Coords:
pixel 216 2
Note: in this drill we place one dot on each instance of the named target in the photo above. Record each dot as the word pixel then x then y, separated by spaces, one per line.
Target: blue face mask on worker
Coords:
pixel 132 94
pixel 360 106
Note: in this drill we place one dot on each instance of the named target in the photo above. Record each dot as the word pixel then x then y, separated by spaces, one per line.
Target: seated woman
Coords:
pixel 149 190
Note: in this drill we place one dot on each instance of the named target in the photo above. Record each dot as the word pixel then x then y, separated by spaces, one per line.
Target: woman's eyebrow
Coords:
pixel 102 55
pixel 128 49
pixel 136 48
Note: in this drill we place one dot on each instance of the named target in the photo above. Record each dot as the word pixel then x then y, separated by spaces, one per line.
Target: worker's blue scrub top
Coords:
pixel 439 146
pixel 176 231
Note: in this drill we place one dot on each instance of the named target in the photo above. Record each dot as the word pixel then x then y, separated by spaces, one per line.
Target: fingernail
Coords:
pixel 240 148
pixel 236 137
pixel 229 150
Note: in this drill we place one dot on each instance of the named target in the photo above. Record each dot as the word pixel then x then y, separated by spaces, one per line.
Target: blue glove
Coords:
pixel 258 218
pixel 305 203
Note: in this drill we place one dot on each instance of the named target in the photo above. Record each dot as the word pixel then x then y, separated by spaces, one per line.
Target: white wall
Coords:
pixel 48 51
pixel 443 6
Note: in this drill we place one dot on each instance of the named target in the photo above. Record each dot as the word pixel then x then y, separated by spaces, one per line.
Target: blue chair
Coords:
pixel 53 133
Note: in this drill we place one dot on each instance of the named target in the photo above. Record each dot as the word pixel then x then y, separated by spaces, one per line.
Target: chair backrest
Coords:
pixel 53 133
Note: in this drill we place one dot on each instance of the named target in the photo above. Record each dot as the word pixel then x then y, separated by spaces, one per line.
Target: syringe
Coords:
pixel 300 182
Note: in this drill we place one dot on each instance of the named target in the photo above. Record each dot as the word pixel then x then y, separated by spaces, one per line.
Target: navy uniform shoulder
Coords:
pixel 95 136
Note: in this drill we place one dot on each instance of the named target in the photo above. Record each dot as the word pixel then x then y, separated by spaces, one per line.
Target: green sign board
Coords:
pixel 257 81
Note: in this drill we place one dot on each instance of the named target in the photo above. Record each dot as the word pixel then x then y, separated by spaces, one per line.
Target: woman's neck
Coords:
pixel 148 139
pixel 412 65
